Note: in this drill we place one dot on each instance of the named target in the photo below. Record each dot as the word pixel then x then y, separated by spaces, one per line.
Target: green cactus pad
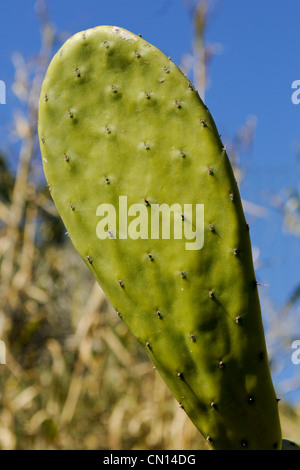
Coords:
pixel 121 127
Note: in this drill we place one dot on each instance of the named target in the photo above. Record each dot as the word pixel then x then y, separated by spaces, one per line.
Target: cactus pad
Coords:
pixel 126 141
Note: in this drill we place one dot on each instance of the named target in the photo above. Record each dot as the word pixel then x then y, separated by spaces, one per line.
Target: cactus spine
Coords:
pixel 124 136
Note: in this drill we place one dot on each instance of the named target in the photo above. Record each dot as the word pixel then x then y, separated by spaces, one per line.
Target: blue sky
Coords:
pixel 258 59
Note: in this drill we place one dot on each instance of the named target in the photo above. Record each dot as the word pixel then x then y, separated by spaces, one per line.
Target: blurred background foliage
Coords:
pixel 75 377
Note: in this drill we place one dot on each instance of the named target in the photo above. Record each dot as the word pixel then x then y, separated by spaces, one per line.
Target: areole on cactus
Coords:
pixel 118 121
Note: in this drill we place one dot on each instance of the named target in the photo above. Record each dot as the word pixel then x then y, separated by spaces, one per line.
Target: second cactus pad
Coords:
pixel 144 186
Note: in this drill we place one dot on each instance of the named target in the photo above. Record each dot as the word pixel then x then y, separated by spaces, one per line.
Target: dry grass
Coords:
pixel 75 377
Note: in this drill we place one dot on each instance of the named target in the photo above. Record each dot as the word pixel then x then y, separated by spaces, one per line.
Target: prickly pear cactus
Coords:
pixel 144 186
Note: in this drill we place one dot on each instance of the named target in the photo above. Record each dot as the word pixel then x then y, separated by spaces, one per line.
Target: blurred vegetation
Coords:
pixel 75 377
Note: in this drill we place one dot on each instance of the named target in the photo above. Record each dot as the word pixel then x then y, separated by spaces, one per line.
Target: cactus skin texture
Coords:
pixel 117 117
